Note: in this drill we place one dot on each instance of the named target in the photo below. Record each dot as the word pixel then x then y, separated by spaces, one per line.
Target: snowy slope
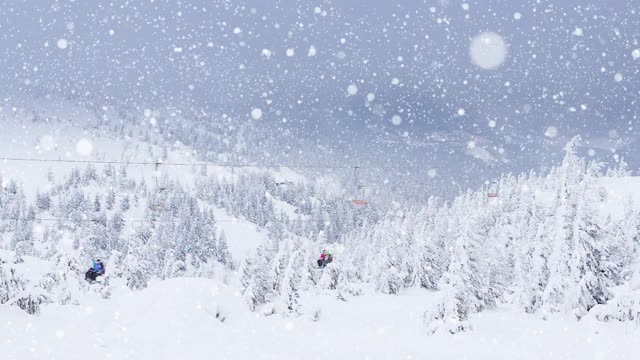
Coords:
pixel 75 140
pixel 243 235
pixel 182 319
pixel 68 133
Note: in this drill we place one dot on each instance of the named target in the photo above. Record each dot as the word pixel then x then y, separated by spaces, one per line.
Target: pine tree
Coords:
pixel 246 269
pixel 168 262
pixel 576 281
pixel 123 172
pixel 43 201
pixel 108 170
pixel 451 311
pixel 292 282
pixel 111 199
pixel 222 254
pixel 464 286
pixel 124 203
pixel 90 174
pixel 260 288
pixel 96 204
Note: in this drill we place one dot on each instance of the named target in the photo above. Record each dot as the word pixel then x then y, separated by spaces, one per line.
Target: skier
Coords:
pixel 325 258
pixel 96 270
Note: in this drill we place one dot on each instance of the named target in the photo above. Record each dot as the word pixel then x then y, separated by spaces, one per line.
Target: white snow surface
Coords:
pixel 242 236
pixel 176 319
pixel 619 194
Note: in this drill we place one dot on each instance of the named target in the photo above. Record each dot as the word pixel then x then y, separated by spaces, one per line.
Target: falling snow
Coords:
pixel 62 44
pixel 488 50
pixel 266 53
pixel 400 101
pixel 256 113
pixel 47 143
pixel 551 132
pixel 312 51
pixel 84 147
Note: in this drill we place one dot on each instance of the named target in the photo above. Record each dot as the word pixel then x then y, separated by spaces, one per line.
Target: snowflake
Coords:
pixel 62 43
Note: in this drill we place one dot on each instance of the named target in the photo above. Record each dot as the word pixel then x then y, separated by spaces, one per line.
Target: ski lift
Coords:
pixel 281 183
pixel 359 186
pixel 158 203
pixel 492 191
pixel 159 188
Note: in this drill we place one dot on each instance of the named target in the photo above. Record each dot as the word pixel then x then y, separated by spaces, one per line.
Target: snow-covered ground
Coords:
pixel 188 318
pixel 243 236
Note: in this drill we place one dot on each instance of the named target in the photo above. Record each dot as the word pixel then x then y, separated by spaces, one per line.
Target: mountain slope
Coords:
pixel 560 245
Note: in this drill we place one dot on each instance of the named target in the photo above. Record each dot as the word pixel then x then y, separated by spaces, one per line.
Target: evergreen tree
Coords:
pixel 222 254
pixel 124 204
pixel 43 201
pixel 292 283
pixel 90 174
pixel 576 282
pixel 260 287
pixel 111 199
pixel 455 303
pixel 96 204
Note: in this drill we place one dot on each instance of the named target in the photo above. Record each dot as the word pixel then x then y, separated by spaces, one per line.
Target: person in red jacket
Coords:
pixel 325 258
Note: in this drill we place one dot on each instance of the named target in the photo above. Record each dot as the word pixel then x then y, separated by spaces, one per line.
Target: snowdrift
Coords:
pixel 189 318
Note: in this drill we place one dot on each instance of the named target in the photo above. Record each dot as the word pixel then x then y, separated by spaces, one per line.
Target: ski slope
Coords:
pixel 176 319
pixel 70 141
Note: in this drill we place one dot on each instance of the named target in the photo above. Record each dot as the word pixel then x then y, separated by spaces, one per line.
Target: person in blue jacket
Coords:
pixel 96 270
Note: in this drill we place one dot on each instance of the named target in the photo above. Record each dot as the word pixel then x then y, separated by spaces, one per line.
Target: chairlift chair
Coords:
pixel 492 191
pixel 280 183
